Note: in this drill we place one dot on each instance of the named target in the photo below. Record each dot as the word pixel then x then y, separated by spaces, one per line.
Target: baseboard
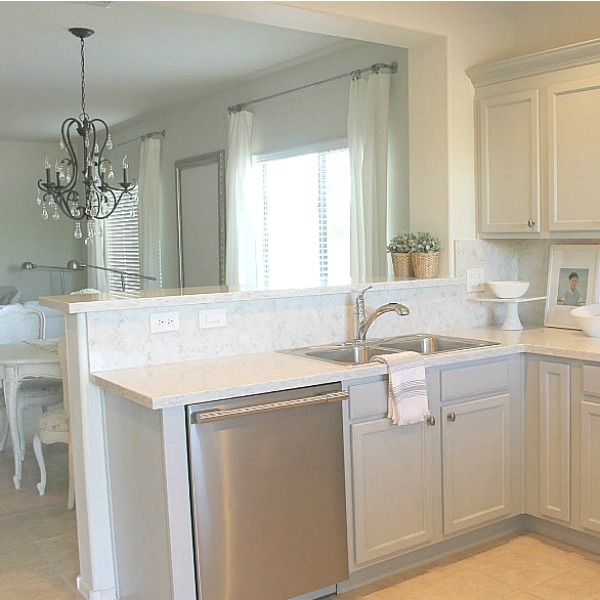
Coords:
pixel 561 533
pixel 108 594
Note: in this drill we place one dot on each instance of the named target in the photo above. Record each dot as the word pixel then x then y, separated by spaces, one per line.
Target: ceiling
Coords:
pixel 140 59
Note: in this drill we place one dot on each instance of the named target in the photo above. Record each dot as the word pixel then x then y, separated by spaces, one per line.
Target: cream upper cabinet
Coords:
pixel 509 162
pixel 538 144
pixel 574 155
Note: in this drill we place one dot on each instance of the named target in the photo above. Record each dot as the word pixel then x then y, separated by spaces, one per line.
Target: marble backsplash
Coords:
pixel 122 339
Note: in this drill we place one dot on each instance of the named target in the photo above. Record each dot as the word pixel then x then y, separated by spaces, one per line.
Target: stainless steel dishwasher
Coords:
pixel 268 495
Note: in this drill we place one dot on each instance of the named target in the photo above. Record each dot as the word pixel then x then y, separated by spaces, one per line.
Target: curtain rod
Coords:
pixel 150 134
pixel 393 67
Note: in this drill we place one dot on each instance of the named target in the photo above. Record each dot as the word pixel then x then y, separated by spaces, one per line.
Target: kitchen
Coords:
pixel 112 331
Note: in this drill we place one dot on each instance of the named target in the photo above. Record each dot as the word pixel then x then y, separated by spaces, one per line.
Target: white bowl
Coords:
pixel 508 289
pixel 588 319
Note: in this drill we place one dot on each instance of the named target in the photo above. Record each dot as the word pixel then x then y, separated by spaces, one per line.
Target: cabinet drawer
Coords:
pixel 591 380
pixel 474 380
pixel 368 399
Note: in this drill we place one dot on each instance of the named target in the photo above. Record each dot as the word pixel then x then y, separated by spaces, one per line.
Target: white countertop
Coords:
pixel 177 384
pixel 161 298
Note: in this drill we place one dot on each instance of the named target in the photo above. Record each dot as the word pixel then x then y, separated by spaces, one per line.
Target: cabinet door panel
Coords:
pixel 555 440
pixel 393 487
pixel 574 155
pixel 476 462
pixel 590 471
pixel 509 163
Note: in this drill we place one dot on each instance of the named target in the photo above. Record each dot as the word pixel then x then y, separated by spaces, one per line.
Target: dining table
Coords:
pixel 20 361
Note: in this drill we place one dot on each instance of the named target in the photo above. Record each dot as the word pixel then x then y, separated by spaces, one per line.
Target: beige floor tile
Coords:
pixel 525 596
pixel 522 563
pixel 576 584
pixel 23 565
pixel 49 589
pixel 62 552
pixel 48 524
pixel 12 535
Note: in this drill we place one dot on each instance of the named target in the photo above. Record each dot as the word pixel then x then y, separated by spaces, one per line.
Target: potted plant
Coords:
pixel 400 249
pixel 425 253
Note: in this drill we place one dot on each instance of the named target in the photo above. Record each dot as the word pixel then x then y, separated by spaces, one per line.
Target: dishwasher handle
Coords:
pixel 198 418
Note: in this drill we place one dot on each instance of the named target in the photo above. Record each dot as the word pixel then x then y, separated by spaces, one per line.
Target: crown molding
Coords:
pixel 548 61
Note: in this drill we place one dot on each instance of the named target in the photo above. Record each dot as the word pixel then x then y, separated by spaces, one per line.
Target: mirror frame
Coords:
pixel 203 160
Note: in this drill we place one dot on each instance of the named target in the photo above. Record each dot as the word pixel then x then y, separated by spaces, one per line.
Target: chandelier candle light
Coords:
pixel 99 198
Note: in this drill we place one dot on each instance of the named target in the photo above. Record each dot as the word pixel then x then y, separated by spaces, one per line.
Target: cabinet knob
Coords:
pixel 451 417
pixel 530 223
pixel 430 421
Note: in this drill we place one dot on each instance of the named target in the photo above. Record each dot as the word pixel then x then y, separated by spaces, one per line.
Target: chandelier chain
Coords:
pixel 84 114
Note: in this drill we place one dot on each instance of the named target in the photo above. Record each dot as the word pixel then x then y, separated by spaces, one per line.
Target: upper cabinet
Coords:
pixel 538 144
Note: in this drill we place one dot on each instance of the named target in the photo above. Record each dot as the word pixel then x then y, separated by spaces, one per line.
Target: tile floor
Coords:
pixel 38 535
pixel 520 567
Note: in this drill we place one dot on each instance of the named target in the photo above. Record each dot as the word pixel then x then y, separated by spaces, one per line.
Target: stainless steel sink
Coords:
pixel 431 344
pixel 356 353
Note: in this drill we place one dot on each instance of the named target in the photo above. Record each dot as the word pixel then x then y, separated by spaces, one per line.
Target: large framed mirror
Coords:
pixel 200 196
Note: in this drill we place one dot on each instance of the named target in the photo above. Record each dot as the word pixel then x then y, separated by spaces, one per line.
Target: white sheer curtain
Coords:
pixel 150 210
pixel 368 116
pixel 96 255
pixel 242 211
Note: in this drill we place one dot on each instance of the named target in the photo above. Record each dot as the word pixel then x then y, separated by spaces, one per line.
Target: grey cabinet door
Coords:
pixel 393 487
pixel 476 464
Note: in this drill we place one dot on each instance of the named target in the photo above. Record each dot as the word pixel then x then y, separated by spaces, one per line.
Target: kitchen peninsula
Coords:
pixel 129 427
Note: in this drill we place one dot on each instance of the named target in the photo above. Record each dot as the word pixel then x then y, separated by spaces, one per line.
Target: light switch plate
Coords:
pixel 209 319
pixel 475 280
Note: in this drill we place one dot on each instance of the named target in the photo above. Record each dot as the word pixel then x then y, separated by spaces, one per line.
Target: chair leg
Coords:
pixel 39 454
pixel 4 429
pixel 21 429
pixel 71 498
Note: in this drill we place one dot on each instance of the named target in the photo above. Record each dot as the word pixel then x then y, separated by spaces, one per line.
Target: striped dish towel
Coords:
pixel 407 391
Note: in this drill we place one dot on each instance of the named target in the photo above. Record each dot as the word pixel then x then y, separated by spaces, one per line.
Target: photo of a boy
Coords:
pixel 572 295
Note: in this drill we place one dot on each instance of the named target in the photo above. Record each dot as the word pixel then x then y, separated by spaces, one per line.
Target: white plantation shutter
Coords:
pixel 122 238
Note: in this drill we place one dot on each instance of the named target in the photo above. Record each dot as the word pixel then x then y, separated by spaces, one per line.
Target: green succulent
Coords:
pixel 402 243
pixel 424 242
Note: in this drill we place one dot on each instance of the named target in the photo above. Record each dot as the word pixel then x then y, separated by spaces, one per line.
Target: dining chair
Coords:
pixel 53 426
pixel 18 324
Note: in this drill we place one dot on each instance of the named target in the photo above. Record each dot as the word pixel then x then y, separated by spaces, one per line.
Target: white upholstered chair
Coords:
pixel 53 426
pixel 18 324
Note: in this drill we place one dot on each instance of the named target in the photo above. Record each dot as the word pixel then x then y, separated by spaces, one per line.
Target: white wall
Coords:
pixel 314 115
pixel 25 236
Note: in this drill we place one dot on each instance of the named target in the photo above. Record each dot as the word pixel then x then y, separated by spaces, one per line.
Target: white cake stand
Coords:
pixel 511 321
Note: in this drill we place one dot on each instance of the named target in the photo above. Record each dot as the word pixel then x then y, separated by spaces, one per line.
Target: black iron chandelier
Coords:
pixel 99 197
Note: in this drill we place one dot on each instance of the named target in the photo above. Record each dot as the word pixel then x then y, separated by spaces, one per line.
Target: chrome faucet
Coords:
pixel 365 322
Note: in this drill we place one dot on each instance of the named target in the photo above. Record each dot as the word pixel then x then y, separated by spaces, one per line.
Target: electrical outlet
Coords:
pixel 208 319
pixel 162 322
pixel 475 279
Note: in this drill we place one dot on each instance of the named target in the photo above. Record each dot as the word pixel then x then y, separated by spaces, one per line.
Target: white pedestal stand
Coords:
pixel 511 321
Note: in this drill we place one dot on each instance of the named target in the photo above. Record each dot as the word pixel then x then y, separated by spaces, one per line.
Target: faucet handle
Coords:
pixel 360 303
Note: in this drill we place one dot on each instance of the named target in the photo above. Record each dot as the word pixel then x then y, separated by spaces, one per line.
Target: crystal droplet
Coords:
pixel 38 199
pixel 61 173
pixel 109 142
pixel 55 214
pixel 52 202
pixel 90 230
pixel 44 214
pixel 86 141
pixel 77 234
pixel 88 241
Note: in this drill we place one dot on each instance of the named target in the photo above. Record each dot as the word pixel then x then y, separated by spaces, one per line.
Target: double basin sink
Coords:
pixel 360 352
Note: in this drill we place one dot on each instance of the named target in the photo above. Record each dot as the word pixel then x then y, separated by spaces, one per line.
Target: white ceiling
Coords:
pixel 141 58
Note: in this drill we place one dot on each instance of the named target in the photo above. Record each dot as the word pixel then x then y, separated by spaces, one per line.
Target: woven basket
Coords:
pixel 426 264
pixel 402 264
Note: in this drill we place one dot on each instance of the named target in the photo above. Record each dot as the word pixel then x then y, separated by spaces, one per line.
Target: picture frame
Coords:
pixel 572 281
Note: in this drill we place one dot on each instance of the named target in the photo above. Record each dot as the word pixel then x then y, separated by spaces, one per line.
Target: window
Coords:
pixel 306 217
pixel 122 239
